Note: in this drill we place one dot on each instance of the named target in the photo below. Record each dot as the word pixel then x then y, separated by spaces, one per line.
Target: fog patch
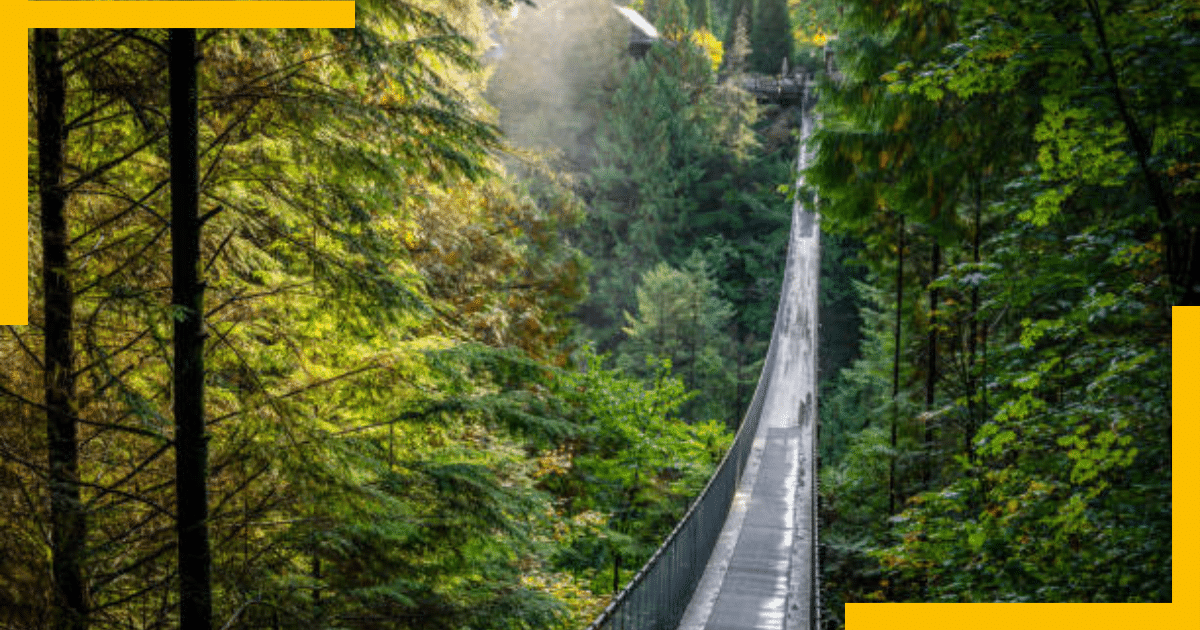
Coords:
pixel 550 73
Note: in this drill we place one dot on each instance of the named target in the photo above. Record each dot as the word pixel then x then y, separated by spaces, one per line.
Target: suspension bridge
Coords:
pixel 745 554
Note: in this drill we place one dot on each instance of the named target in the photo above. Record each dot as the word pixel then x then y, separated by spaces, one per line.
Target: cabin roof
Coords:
pixel 642 29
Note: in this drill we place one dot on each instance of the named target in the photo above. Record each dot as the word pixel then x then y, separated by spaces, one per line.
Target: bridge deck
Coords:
pixel 788 90
pixel 762 569
pixel 761 575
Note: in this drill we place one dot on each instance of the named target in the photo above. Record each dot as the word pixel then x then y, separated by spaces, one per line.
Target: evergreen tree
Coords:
pixel 770 36
pixel 738 43
pixel 68 524
pixel 674 19
pixel 737 9
pixel 701 14
pixel 313 309
pixel 651 155
pixel 681 319
pixel 638 469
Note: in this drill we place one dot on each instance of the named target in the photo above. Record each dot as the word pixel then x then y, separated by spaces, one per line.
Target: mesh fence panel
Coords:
pixel 656 598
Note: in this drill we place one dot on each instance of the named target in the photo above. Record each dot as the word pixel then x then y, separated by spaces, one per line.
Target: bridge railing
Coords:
pixel 656 598
pixel 786 90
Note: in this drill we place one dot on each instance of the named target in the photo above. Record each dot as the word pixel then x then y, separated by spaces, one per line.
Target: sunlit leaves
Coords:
pixel 706 41
pixel 495 254
pixel 1059 420
pixel 362 471
pixel 640 463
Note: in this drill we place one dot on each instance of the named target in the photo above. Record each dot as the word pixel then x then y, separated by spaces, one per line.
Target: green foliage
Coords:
pixel 681 320
pixel 1017 137
pixel 1111 84
pixel 385 318
pixel 673 19
pixel 678 169
pixel 701 14
pixel 499 262
pixel 771 39
pixel 740 11
pixel 636 463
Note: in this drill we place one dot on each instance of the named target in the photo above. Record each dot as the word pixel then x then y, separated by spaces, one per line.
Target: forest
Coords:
pixel 1020 181
pixel 442 322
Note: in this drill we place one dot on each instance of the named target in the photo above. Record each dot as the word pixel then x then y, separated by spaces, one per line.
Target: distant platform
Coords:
pixel 781 90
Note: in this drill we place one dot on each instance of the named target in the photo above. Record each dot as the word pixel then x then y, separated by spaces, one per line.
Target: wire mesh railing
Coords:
pixel 656 598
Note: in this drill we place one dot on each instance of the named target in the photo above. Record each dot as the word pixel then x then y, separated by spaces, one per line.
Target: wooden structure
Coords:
pixel 785 90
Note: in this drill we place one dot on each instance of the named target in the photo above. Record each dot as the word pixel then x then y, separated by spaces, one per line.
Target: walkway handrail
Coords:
pixel 656 598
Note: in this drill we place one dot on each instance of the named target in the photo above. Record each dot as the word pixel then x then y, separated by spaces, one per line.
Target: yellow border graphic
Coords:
pixel 1184 609
pixel 1184 612
pixel 14 55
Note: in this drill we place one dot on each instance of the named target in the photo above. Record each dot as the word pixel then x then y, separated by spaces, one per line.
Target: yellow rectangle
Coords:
pixel 14 218
pixel 14 214
pixel 206 14
pixel 1184 609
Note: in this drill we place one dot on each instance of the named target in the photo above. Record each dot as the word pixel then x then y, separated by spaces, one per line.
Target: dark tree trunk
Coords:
pixel 187 303
pixel 1179 275
pixel 68 525
pixel 896 369
pixel 616 572
pixel 935 262
pixel 974 398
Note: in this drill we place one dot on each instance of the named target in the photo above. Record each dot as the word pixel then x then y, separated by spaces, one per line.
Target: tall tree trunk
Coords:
pixel 1178 276
pixel 68 525
pixel 935 262
pixel 974 415
pixel 187 303
pixel 896 369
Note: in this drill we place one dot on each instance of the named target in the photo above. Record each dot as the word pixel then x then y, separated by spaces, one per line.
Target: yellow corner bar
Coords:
pixel 1184 609
pixel 14 219
pixel 203 14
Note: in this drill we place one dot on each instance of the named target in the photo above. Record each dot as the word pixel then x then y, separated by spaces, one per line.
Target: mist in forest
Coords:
pixel 549 71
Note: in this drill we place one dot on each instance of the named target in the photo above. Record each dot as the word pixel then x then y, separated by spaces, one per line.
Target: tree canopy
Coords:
pixel 1029 171
pixel 386 339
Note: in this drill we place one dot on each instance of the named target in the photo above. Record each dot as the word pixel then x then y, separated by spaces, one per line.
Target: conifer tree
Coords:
pixel 681 318
pixel 771 36
pixel 674 19
pixel 67 514
pixel 737 9
pixel 738 43
pixel 187 303
pixel 701 14
pixel 288 133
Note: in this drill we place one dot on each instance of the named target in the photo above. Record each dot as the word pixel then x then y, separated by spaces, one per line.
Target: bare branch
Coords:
pixel 33 357
pixel 113 163
pixel 130 475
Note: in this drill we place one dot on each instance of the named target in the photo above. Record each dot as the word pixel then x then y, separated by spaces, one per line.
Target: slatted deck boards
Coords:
pixel 762 573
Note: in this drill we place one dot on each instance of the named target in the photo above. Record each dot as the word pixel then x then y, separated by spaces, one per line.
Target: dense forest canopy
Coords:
pixel 1021 179
pixel 443 320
